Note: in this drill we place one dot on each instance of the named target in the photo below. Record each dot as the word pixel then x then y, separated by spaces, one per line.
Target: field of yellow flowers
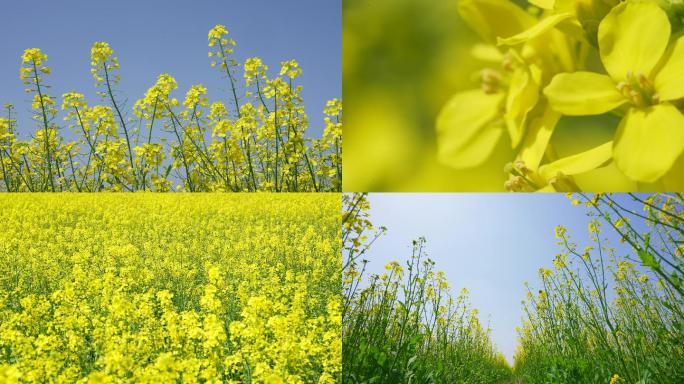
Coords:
pixel 170 288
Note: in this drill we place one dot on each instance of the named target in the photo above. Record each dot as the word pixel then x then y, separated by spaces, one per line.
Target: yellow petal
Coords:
pixel 579 163
pixel 523 93
pixel 673 180
pixel 494 18
pixel 583 93
pixel 487 52
pixel 543 4
pixel 633 37
pixel 648 141
pixel 536 30
pixel 605 179
pixel 669 81
pixel 468 128
pixel 537 139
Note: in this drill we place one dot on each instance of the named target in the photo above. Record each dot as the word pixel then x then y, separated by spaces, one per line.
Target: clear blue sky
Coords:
pixel 489 243
pixel 156 36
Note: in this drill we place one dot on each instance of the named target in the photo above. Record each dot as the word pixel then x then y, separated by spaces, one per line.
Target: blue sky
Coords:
pixel 489 243
pixel 157 36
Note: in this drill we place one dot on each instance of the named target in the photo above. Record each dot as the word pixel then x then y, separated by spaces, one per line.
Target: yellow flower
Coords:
pixel 33 56
pixel 73 100
pixel 100 52
pixel 196 96
pixel 291 68
pixel 645 77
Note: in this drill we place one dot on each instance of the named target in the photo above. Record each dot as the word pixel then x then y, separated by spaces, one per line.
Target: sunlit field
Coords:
pixel 143 288
pixel 597 314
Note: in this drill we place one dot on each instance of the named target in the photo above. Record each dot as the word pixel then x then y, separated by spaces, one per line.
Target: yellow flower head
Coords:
pixel 197 95
pixel 33 56
pixel 645 75
pixel 217 32
pixel 73 100
pixel 291 68
pixel 100 52
pixel 254 67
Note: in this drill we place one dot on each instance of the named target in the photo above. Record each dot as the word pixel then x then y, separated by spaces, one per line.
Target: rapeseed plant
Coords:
pixel 599 317
pixel 546 60
pixel 403 325
pixel 170 288
pixel 255 142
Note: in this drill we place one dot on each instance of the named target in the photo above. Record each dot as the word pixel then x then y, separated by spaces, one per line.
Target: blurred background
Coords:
pixel 401 61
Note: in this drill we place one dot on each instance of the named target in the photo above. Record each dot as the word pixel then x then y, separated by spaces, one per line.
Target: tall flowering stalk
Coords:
pixel 31 73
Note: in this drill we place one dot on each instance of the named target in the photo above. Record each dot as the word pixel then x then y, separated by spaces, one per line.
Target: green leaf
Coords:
pixel 648 259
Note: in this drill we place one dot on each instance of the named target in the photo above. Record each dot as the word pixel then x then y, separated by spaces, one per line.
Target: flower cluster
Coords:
pixel 559 59
pixel 170 288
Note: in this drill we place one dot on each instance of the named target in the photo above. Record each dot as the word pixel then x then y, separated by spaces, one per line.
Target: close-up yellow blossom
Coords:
pixel 515 95
pixel 646 77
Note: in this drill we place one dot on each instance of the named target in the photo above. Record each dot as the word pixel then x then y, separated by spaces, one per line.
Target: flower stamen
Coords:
pixel 491 80
pixel 638 89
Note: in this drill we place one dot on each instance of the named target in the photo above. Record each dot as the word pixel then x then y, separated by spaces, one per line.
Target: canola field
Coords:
pixel 170 288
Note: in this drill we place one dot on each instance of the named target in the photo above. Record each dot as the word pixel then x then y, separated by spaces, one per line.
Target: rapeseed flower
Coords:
pixel 645 77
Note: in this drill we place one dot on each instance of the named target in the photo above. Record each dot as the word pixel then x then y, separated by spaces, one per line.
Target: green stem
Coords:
pixel 121 119
pixel 45 125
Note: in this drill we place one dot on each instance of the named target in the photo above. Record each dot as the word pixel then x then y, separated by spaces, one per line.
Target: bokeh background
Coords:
pixel 401 61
